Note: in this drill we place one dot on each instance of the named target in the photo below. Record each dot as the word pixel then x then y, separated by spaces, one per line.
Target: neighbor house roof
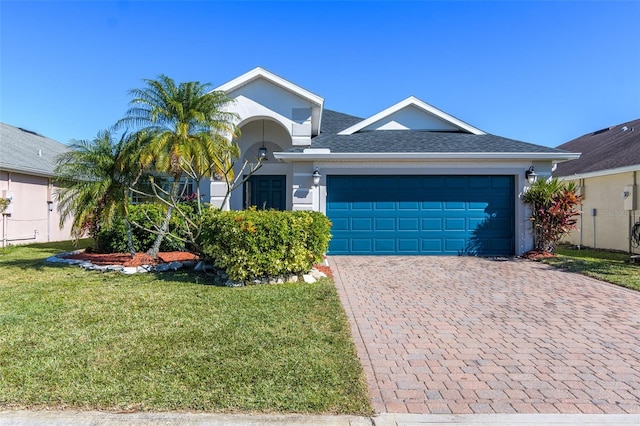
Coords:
pixel 614 147
pixel 27 152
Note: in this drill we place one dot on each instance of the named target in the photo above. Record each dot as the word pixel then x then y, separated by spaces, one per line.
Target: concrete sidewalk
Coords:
pixel 95 418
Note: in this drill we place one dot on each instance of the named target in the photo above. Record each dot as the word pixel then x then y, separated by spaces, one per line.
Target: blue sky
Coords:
pixel 541 72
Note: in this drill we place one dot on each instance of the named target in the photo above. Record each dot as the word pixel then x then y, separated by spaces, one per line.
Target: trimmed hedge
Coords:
pixel 252 244
pixel 114 238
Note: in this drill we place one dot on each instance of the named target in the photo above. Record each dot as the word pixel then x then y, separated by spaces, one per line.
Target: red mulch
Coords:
pixel 125 259
pixel 139 259
pixel 325 269
pixel 537 255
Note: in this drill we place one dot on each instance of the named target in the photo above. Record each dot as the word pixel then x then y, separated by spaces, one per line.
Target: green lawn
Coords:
pixel 613 267
pixel 91 340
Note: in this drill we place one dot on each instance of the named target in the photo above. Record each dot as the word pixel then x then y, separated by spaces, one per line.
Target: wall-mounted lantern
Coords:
pixel 50 205
pixel 316 177
pixel 531 175
pixel 262 151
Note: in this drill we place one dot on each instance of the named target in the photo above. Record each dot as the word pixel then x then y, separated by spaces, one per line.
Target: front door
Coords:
pixel 266 192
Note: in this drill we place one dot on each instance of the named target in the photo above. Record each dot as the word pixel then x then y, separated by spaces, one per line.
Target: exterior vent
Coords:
pixel 600 131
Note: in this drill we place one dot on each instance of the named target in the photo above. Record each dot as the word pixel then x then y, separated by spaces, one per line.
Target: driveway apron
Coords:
pixel 464 335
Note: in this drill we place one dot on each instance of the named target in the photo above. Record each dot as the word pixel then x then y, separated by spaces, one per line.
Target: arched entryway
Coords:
pixel 267 187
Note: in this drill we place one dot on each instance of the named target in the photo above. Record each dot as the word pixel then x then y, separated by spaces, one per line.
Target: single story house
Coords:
pixel 409 180
pixel 27 161
pixel 607 172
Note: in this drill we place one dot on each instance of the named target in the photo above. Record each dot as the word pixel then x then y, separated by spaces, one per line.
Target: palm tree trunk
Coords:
pixel 132 250
pixel 164 228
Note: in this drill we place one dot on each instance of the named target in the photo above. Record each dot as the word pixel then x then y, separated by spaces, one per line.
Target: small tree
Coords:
pixel 553 211
pixel 188 132
pixel 93 181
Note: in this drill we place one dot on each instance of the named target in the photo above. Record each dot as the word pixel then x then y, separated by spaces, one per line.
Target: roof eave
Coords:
pixel 381 156
pixel 27 171
pixel 598 173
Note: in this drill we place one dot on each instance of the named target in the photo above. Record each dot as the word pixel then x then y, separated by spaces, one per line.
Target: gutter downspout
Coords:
pixel 581 214
pixel 632 211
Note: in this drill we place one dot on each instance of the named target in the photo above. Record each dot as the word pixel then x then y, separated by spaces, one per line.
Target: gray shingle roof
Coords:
pixel 423 141
pixel 334 122
pixel 609 148
pixel 28 152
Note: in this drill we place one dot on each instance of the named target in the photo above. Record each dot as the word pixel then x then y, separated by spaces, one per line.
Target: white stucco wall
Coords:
pixel 411 118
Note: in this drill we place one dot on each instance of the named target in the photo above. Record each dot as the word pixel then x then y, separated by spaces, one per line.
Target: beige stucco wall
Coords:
pixel 610 227
pixel 30 220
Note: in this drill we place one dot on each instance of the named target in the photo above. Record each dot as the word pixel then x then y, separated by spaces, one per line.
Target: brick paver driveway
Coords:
pixel 467 335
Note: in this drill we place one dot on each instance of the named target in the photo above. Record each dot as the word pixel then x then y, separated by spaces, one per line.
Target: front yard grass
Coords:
pixel 613 267
pixel 89 340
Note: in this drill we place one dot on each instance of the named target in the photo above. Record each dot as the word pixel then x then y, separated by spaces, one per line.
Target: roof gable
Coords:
pixel 412 114
pixel 278 94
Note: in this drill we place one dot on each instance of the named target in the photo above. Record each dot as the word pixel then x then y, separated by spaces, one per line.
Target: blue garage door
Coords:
pixel 421 215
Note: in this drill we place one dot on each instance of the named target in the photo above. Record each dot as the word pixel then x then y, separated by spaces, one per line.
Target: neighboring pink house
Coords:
pixel 27 161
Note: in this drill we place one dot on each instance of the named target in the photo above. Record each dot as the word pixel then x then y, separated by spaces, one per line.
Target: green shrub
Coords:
pixel 113 239
pixel 252 244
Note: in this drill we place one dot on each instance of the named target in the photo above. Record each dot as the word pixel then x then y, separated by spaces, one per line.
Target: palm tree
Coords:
pixel 93 180
pixel 189 133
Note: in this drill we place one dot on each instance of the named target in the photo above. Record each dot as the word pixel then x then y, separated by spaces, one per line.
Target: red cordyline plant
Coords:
pixel 554 211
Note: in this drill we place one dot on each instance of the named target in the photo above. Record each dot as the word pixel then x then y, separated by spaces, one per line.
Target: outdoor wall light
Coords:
pixel 50 205
pixel 625 194
pixel 531 175
pixel 316 177
pixel 262 152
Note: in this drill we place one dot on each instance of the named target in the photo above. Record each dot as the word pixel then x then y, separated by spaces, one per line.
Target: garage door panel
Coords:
pixel 408 205
pixel 409 224
pixel 432 224
pixel 431 246
pixel 431 205
pixel 455 205
pixel 480 182
pixel 385 245
pixel 478 205
pixel 444 215
pixel 361 245
pixel 340 224
pixel 502 182
pixel 362 224
pixel 408 246
pixel 454 224
pixel 385 205
pixel 385 224
pixel 454 245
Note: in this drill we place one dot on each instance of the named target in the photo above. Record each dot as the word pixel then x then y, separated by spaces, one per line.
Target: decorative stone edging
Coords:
pixel 200 266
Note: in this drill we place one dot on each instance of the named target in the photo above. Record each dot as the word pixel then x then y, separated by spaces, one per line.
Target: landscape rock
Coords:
pixel 174 265
pixel 317 274
pixel 163 267
pixel 231 283
pixel 308 278
pixel 116 268
pixel 129 270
